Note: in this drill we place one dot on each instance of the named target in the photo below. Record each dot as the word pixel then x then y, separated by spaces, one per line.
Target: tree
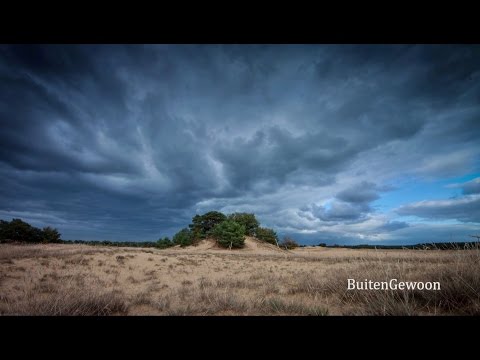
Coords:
pixel 183 238
pixel 164 243
pixel 248 220
pixel 288 243
pixel 229 234
pixel 267 235
pixel 50 235
pixel 202 225
pixel 18 230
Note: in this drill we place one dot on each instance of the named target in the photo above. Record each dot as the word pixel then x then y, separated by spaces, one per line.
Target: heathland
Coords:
pixel 207 279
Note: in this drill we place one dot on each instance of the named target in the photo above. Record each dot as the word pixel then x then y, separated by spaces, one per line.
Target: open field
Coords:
pixel 57 279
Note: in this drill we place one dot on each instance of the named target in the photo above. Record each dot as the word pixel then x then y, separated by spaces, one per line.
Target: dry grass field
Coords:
pixel 57 279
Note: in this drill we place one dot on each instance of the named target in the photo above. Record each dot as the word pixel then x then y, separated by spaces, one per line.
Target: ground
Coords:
pixel 61 279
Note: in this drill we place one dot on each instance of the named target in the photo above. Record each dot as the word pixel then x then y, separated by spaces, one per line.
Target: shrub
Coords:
pixel 50 235
pixel 164 243
pixel 202 225
pixel 229 234
pixel 248 220
pixel 183 238
pixel 288 243
pixel 267 235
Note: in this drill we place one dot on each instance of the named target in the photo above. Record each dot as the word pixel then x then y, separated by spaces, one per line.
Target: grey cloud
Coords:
pixel 349 205
pixel 471 187
pixel 465 209
pixel 392 226
pixel 364 192
pixel 136 137
pixel 340 211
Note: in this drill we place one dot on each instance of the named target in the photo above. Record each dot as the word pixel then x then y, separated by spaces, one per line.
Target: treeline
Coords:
pixel 20 231
pixel 142 244
pixel 229 231
pixel 423 246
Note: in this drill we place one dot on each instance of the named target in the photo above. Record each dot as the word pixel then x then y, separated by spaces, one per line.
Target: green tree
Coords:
pixel 248 220
pixel 18 230
pixel 50 235
pixel 267 235
pixel 196 227
pixel 202 225
pixel 183 238
pixel 164 243
pixel 229 234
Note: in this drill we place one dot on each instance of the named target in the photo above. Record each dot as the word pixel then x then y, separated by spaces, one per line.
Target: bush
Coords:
pixel 288 243
pixel 248 220
pixel 164 243
pixel 50 235
pixel 229 234
pixel 267 235
pixel 183 238
pixel 202 225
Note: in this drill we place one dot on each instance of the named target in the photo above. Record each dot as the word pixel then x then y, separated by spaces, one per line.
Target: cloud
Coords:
pixel 130 141
pixel 465 209
pixel 471 187
pixel 393 225
pixel 364 192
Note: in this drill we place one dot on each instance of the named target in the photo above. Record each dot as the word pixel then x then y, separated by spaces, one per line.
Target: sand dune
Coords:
pixel 252 245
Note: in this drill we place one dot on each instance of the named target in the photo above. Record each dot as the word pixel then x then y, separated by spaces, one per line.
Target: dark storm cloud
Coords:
pixel 341 211
pixel 364 192
pixel 130 141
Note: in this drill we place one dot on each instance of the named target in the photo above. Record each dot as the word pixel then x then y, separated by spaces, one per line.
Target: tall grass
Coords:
pixel 82 284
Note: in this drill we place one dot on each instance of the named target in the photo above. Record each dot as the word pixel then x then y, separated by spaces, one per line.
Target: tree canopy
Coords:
pixel 248 220
pixel 229 234
pixel 19 230
pixel 202 225
pixel 267 235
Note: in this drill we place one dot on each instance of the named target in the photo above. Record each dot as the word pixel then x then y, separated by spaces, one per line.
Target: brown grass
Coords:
pixel 81 280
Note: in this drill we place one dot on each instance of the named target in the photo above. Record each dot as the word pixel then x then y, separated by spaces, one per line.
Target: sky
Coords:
pixel 336 144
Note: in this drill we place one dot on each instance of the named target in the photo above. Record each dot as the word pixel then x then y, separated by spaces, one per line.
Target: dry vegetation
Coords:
pixel 84 280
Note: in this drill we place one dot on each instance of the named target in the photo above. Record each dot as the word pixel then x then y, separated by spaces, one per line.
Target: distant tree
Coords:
pixel 229 234
pixel 18 230
pixel 164 243
pixel 183 238
pixel 267 235
pixel 4 229
pixel 288 243
pixel 202 225
pixel 50 235
pixel 322 244
pixel 248 220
